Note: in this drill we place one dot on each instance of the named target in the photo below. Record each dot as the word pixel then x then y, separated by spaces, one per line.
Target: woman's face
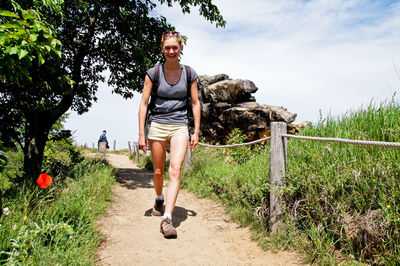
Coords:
pixel 171 49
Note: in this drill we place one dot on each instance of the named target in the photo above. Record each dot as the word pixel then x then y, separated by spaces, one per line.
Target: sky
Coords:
pixel 313 57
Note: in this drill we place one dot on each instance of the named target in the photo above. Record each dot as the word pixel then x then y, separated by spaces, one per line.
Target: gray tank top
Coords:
pixel 167 90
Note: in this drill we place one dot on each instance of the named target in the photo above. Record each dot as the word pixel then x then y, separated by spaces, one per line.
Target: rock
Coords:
pixel 280 113
pixel 297 125
pixel 205 80
pixel 227 104
pixel 232 91
pixel 301 123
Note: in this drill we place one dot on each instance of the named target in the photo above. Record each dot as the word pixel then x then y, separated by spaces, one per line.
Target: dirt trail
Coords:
pixel 206 235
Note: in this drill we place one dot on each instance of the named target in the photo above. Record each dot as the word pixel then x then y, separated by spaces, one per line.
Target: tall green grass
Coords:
pixel 341 201
pixel 56 226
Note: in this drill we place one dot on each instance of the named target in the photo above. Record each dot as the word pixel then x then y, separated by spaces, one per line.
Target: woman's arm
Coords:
pixel 144 103
pixel 196 113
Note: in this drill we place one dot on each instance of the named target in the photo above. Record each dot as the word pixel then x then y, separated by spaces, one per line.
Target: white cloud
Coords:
pixel 328 55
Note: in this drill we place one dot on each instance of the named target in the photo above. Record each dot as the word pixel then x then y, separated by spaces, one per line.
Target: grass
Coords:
pixel 341 201
pixel 56 226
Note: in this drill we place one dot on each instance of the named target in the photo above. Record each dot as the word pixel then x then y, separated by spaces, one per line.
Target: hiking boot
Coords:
pixel 158 209
pixel 167 229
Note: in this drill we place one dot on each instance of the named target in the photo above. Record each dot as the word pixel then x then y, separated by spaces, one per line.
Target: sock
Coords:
pixel 168 216
pixel 161 197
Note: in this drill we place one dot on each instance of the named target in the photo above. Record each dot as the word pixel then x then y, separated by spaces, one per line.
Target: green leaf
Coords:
pixel 2 38
pixel 22 53
pixel 29 14
pixel 6 13
pixel 13 50
pixel 11 25
pixel 33 37
pixel 53 42
pixel 40 59
pixel 57 51
pixel 36 26
pixel 47 47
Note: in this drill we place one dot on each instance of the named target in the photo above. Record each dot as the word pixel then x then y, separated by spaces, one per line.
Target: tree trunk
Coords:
pixel 37 130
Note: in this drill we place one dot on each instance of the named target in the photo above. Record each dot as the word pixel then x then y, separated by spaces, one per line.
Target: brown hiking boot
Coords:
pixel 158 209
pixel 167 229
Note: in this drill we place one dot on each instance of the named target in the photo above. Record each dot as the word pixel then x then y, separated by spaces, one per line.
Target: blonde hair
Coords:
pixel 171 34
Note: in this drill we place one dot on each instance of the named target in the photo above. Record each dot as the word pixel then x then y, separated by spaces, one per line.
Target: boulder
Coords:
pixel 227 104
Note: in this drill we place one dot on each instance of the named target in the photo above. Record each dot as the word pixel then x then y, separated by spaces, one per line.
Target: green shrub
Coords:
pixel 56 226
pixel 59 156
pixel 12 170
pixel 239 154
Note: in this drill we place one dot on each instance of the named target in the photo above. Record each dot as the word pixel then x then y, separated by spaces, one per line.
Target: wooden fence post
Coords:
pixel 115 143
pixel 278 171
pixel 137 152
pixel 188 159
pixel 129 147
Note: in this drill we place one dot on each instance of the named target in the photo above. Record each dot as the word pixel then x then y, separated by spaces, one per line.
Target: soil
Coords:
pixel 206 235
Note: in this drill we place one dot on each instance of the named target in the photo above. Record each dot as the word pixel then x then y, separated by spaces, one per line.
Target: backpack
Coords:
pixel 154 96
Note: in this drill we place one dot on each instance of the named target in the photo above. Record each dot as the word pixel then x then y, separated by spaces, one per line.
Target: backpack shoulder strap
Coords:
pixel 156 81
pixel 154 88
pixel 188 71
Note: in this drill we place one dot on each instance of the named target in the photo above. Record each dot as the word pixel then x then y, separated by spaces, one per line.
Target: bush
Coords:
pixel 239 154
pixel 59 156
pixel 12 171
pixel 56 226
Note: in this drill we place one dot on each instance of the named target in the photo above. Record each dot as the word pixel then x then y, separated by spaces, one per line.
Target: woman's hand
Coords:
pixel 194 140
pixel 142 143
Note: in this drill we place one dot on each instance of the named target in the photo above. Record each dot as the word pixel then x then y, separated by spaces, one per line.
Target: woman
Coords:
pixel 169 123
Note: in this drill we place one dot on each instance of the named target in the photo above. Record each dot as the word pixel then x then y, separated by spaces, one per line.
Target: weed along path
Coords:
pixel 206 235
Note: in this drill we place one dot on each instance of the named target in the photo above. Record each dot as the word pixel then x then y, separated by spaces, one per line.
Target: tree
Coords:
pixel 56 53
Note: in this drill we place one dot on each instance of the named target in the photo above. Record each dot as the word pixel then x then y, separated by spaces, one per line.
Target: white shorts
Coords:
pixel 160 131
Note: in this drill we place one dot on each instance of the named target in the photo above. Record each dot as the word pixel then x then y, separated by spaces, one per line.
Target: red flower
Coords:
pixel 44 180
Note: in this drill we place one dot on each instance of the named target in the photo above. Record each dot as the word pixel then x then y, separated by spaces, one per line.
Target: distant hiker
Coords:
pixel 103 138
pixel 170 85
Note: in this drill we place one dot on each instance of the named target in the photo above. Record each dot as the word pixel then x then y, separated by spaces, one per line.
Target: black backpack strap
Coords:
pixel 154 88
pixel 188 96
pixel 153 96
pixel 188 79
pixel 156 82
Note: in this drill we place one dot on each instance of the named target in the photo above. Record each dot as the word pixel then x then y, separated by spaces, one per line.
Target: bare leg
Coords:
pixel 178 147
pixel 158 148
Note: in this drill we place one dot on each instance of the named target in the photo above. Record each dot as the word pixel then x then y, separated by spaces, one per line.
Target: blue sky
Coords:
pixel 312 57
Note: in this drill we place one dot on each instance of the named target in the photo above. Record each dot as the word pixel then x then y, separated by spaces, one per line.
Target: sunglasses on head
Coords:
pixel 171 33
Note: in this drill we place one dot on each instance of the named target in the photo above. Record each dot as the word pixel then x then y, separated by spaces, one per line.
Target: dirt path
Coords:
pixel 206 235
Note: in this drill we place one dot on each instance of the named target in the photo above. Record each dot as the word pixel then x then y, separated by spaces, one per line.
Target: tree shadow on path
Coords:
pixel 134 178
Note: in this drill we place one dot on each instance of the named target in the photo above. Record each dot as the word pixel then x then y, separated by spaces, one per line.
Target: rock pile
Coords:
pixel 227 104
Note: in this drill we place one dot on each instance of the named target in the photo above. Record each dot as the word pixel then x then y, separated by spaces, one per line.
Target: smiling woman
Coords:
pixel 170 85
